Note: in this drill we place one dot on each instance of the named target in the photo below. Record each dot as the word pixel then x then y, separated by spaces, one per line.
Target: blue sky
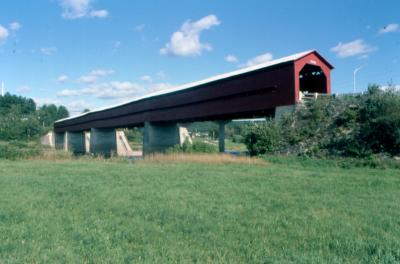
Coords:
pixel 93 53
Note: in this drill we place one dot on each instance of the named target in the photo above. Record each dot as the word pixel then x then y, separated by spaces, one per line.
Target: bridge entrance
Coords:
pixel 313 80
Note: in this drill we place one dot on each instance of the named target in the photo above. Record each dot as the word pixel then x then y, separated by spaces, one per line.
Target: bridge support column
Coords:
pixel 87 142
pixel 76 142
pixel 59 140
pixel 158 137
pixel 221 136
pixel 103 141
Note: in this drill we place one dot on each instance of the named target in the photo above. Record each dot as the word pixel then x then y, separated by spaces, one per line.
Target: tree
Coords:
pixel 48 114
pixel 26 105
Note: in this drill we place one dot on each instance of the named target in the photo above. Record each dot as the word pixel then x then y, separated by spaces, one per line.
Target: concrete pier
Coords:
pixel 76 142
pixel 103 141
pixel 158 137
pixel 221 136
pixel 59 140
pixel 87 142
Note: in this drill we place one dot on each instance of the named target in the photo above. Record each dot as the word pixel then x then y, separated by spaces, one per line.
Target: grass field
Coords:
pixel 155 212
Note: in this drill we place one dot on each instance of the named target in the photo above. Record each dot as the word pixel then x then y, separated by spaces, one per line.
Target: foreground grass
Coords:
pixel 160 212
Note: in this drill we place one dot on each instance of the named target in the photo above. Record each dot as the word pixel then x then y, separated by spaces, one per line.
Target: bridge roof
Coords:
pixel 291 58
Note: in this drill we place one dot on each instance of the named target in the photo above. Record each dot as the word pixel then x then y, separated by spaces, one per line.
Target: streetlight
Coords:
pixel 354 77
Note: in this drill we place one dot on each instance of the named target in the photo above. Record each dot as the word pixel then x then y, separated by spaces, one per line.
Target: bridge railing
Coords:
pixel 306 96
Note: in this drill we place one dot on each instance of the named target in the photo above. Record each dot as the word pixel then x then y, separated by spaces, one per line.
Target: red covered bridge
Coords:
pixel 257 91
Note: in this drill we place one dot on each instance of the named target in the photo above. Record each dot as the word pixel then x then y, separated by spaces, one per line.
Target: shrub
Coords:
pixel 263 138
pixel 196 147
pixel 19 150
pixel 352 126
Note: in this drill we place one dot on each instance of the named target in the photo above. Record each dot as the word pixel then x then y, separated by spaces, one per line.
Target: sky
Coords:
pixel 95 53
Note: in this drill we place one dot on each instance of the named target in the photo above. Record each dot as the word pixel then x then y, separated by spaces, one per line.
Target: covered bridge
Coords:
pixel 263 90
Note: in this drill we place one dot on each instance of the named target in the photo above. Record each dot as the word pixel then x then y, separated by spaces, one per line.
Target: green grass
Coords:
pixel 115 212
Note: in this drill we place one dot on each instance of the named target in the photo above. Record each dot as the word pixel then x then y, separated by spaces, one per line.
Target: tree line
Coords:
pixel 21 119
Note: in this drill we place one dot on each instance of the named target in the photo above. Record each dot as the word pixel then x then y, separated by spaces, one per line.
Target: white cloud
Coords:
pixel 231 58
pixel 49 50
pixel 88 79
pixel 94 75
pixel 139 27
pixel 24 89
pixel 62 78
pixel 395 87
pixel 258 60
pixel 186 41
pixel 101 73
pixel 69 92
pixel 161 75
pixel 353 48
pixel 107 90
pixel 99 13
pixel 46 101
pixel 390 28
pixel 114 90
pixel 15 26
pixel 76 107
pixel 3 34
pixel 73 9
pixel 146 78
pixel 117 44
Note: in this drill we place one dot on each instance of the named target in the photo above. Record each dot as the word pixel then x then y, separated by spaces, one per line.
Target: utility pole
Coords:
pixel 2 89
pixel 354 78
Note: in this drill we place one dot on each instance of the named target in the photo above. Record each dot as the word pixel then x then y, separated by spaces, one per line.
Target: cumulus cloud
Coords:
pixel 231 58
pixel 49 51
pixel 114 90
pixel 74 9
pixel 15 26
pixel 101 73
pixel 99 13
pixel 24 89
pixel 139 27
pixel 186 41
pixel 353 48
pixel 146 78
pixel 62 78
pixel 94 75
pixel 3 34
pixel 161 75
pixel 116 44
pixel 76 107
pixel 46 101
pixel 395 87
pixel 390 28
pixel 259 59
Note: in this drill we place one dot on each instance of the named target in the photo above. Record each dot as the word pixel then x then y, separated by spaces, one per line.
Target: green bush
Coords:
pixel 196 147
pixel 134 135
pixel 350 126
pixel 263 138
pixel 19 150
